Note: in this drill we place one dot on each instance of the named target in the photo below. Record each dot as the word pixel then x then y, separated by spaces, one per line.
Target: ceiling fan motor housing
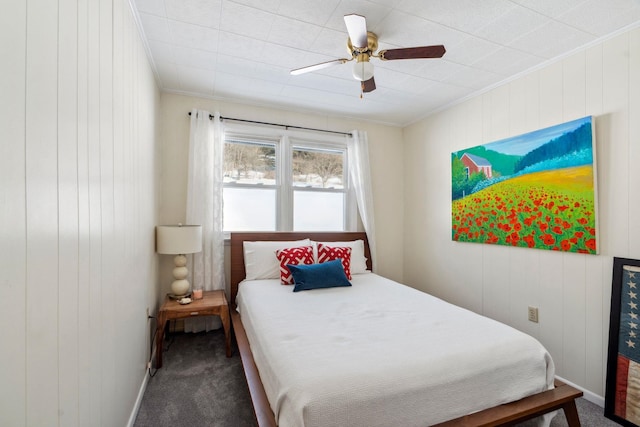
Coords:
pixel 372 46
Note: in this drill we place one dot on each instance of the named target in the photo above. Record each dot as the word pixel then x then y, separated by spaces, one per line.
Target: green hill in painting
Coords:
pixel 501 164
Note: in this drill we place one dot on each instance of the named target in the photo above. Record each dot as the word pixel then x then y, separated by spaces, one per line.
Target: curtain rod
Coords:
pixel 281 125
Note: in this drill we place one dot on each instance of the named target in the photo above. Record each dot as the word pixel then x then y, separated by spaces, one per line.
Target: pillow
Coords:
pixel 260 260
pixel 317 276
pixel 358 260
pixel 293 256
pixel 330 253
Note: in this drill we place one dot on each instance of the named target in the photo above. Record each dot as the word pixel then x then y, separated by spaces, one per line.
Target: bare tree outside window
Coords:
pixel 246 162
pixel 322 169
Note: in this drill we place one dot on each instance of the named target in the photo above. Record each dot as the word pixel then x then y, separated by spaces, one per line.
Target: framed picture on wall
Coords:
pixel 622 395
pixel 536 190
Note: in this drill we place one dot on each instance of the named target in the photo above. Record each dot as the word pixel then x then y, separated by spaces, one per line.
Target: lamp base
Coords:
pixel 180 285
pixel 178 297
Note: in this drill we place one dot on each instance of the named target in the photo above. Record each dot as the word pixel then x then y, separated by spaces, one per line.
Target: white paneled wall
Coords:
pixel 572 291
pixel 78 201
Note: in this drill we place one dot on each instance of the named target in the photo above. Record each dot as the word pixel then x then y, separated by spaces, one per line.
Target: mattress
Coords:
pixel 379 353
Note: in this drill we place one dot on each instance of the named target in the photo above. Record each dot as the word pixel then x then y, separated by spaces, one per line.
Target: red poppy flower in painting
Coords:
pixel 492 238
pixel 548 239
pixel 591 244
pixel 513 239
pixel 529 240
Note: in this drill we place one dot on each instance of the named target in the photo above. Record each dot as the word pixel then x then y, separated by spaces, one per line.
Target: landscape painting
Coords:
pixel 536 190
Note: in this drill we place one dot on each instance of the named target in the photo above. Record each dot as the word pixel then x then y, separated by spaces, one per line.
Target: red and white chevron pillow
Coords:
pixel 330 253
pixel 295 256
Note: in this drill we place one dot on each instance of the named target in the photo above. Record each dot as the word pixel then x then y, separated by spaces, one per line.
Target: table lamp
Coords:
pixel 179 240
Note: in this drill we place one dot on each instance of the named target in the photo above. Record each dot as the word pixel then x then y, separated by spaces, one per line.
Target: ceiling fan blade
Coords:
pixel 357 29
pixel 436 51
pixel 319 66
pixel 369 85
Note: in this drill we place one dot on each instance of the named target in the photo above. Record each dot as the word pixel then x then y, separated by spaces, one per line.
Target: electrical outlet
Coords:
pixel 533 314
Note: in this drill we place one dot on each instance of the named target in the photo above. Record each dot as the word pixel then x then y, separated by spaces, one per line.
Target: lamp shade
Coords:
pixel 178 239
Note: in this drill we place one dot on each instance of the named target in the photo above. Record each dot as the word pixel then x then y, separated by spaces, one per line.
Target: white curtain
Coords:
pixel 204 207
pixel 360 173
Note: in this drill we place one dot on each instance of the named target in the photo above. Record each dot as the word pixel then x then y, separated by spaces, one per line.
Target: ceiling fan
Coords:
pixel 362 45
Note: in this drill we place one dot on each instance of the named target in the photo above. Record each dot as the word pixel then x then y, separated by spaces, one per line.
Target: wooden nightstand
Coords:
pixel 213 303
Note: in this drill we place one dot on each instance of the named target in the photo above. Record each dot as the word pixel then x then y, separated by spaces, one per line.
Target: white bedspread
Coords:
pixel 382 354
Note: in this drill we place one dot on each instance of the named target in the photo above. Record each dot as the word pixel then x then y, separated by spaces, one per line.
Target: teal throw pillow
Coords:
pixel 317 276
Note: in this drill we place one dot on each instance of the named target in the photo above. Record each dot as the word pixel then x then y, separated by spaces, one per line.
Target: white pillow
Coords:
pixel 260 260
pixel 358 260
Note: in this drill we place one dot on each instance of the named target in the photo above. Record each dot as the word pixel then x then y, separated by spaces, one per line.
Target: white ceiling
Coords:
pixel 243 50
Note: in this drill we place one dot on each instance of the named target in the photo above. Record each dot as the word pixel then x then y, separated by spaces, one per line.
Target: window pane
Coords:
pixel 249 163
pixel 318 168
pixel 249 209
pixel 318 211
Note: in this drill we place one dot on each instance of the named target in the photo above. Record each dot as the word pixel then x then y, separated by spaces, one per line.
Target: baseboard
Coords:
pixel 136 407
pixel 590 396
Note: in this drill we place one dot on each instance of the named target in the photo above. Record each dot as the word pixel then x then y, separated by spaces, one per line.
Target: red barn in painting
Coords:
pixel 476 164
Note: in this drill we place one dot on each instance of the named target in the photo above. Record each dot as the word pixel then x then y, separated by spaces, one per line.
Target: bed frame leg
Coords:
pixel 571 412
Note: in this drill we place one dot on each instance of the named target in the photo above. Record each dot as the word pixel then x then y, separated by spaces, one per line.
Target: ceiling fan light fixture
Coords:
pixel 363 70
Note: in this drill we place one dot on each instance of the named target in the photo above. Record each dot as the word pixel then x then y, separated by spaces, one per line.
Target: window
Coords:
pixel 250 185
pixel 318 189
pixel 285 182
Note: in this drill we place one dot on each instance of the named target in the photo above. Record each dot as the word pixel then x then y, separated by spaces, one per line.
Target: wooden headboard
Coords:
pixel 237 252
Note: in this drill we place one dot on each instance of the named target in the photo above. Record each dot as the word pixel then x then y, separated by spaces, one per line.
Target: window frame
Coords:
pixel 286 141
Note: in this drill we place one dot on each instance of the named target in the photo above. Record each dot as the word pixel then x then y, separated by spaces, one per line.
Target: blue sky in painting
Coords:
pixel 522 144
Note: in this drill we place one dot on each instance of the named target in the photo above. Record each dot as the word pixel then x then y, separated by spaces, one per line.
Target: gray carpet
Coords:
pixel 199 386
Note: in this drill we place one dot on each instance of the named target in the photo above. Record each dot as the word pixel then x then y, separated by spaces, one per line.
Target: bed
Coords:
pixel 379 353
